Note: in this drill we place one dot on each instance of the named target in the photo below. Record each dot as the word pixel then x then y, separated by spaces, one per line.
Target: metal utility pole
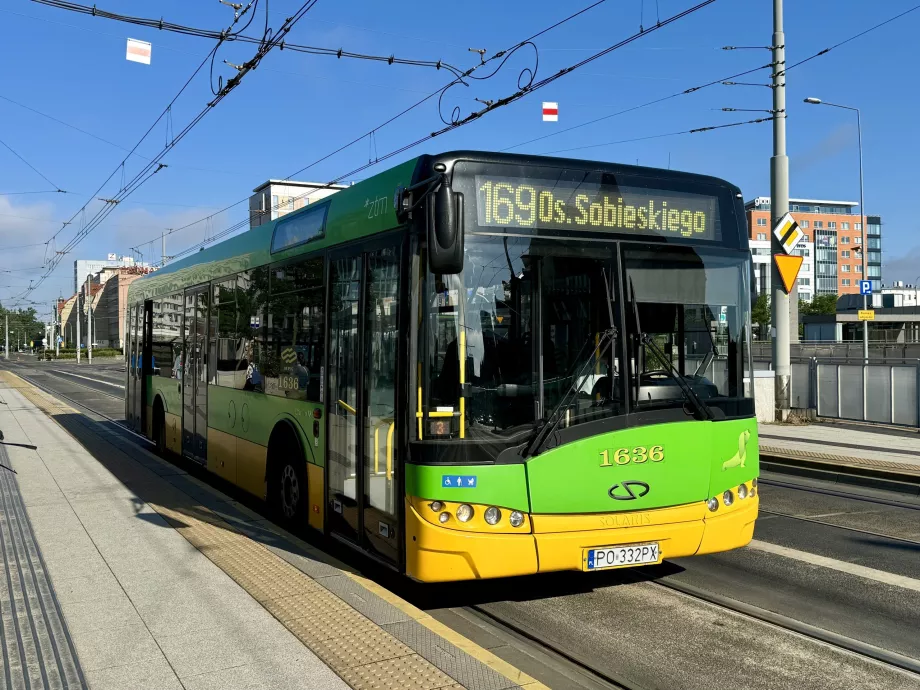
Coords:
pixel 779 205
pixel 79 314
pixel 6 331
pixel 862 213
pixel 89 318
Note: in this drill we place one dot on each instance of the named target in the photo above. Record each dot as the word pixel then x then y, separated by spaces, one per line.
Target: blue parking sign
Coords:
pixel 865 287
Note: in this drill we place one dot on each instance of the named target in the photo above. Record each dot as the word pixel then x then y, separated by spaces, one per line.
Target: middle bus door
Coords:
pixel 362 468
pixel 195 375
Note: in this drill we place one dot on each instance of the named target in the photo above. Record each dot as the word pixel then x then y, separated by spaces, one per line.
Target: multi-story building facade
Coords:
pixel 86 267
pixel 272 199
pixel 832 247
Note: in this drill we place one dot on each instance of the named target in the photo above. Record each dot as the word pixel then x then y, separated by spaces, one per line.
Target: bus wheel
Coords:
pixel 159 429
pixel 288 484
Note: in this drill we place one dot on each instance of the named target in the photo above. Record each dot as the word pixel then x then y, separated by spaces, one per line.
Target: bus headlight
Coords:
pixel 443 517
pixel 742 491
pixel 493 515
pixel 728 498
pixel 516 518
pixel 436 506
pixel 465 512
pixel 713 504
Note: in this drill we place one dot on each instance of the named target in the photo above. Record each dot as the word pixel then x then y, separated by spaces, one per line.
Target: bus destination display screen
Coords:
pixel 510 202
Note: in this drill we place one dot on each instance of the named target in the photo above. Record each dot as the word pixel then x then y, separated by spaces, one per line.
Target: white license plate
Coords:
pixel 622 556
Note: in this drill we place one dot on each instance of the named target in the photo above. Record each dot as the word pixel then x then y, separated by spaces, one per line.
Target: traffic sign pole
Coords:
pixel 779 204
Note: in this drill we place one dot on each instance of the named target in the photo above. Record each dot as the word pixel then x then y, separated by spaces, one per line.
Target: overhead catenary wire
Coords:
pixel 696 130
pixel 468 73
pixel 714 82
pixel 154 165
pixel 499 103
pixel 32 167
pixel 163 25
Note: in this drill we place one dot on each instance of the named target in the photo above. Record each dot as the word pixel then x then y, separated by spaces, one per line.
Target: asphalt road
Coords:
pixel 843 564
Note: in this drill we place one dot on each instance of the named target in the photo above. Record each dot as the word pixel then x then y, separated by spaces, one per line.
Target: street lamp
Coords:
pixel 862 212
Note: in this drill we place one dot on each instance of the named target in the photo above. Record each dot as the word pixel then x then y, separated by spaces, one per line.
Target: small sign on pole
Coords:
pixel 788 233
pixel 788 267
pixel 865 287
pixel 550 112
pixel 866 314
pixel 138 51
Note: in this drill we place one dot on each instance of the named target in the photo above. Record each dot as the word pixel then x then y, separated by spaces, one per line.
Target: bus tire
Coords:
pixel 159 428
pixel 287 481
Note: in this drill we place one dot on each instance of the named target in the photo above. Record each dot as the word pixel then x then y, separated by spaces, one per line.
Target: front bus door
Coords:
pixel 362 468
pixel 195 375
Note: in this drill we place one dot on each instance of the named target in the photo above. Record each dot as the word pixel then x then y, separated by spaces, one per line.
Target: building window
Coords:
pixel 845 254
pixel 805 237
pixel 858 268
pixel 875 271
pixel 845 282
pixel 819 224
pixel 857 226
pixel 804 281
pixel 761 221
pixel 857 239
pixel 845 268
pixel 804 223
pixel 845 225
pixel 761 236
pixel 832 225
pixel 844 240
pixel 806 267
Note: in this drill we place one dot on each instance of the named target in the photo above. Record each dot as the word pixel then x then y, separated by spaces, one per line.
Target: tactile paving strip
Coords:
pixel 839 459
pixel 36 650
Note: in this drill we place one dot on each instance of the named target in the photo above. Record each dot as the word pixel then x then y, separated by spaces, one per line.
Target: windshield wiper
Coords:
pixel 702 408
pixel 543 431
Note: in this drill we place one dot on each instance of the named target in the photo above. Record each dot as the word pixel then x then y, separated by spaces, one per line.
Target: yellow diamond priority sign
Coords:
pixel 788 233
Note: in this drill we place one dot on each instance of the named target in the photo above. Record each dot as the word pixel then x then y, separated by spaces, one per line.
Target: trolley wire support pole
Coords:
pixel 79 308
pixel 6 339
pixel 779 205
pixel 89 318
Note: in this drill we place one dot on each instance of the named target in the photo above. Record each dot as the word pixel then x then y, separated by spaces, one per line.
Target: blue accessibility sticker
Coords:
pixel 458 481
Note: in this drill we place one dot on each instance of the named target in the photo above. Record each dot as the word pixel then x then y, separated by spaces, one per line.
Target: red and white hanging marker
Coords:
pixel 550 112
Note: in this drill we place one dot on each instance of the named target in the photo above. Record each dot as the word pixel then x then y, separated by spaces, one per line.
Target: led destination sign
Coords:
pixel 530 204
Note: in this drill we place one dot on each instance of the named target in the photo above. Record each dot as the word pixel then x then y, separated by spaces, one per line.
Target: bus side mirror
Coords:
pixel 444 220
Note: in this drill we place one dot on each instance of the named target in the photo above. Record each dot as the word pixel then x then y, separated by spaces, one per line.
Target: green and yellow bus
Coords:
pixel 472 365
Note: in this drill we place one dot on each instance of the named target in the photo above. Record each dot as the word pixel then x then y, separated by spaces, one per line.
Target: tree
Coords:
pixel 23 322
pixel 821 304
pixel 760 313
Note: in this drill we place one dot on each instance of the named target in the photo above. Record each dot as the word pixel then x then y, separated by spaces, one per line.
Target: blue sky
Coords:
pixel 296 108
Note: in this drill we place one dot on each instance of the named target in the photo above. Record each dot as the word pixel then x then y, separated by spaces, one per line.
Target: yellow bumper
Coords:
pixel 439 554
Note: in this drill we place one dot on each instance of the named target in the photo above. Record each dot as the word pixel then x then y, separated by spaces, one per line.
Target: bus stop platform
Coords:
pixel 885 453
pixel 120 570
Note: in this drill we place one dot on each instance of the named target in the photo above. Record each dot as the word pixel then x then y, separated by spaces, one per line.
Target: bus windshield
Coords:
pixel 527 316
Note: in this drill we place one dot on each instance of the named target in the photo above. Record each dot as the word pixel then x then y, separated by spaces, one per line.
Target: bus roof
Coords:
pixel 361 210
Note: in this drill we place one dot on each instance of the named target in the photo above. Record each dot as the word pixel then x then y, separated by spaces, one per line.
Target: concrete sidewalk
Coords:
pixel 897 451
pixel 133 603
pixel 154 579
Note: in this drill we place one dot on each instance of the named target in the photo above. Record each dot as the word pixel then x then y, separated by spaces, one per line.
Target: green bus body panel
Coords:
pixel 168 390
pixel 225 407
pixel 701 459
pixel 499 485
pixel 362 210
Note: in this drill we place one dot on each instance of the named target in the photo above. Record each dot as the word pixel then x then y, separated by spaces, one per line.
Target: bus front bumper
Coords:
pixel 560 542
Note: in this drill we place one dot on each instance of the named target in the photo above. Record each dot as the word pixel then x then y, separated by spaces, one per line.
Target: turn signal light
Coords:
pixel 713 504
pixel 436 506
pixel 493 515
pixel 516 518
pixel 728 498
pixel 443 517
pixel 742 491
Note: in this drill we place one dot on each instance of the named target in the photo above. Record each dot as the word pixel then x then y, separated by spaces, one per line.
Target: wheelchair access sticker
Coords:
pixel 458 481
